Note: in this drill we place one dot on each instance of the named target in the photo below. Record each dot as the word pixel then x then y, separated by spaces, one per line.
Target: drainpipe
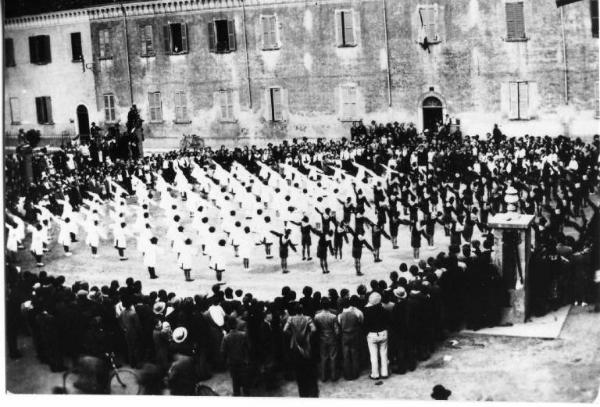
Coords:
pixel 127 54
pixel 564 44
pixel 246 52
pixel 387 53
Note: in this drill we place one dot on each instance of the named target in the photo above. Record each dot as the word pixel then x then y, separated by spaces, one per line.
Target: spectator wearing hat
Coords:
pixel 398 332
pixel 375 325
pixel 439 392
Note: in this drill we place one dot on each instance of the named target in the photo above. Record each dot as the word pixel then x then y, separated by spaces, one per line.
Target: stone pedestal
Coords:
pixel 512 247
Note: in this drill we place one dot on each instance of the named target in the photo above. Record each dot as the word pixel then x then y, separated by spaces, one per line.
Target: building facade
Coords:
pixel 261 70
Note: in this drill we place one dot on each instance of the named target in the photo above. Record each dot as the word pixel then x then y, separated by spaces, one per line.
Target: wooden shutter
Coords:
pixel 47 55
pixel 15 110
pixel 184 37
pixel 231 32
pixel 348 22
pixel 167 42
pixel 212 41
pixel 39 109
pixel 277 104
pixel 428 19
pixel 515 25
pixel 267 110
pixel 339 28
pixel 533 99
pixel 34 50
pixel 523 100
pixel 142 31
pixel 265 32
pixel 273 31
pixel 513 108
pixel 9 52
pixel 48 105
pixel 504 99
pixel 594 17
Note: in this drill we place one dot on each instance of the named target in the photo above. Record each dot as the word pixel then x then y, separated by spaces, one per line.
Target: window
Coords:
pixel 147 40
pixel 176 38
pixel 181 107
pixel 9 52
pixel 594 15
pixel 39 49
pixel 275 104
pixel 226 105
pixel 428 18
pixel 43 107
pixel 104 42
pixel 349 99
pixel 155 107
pixel 109 108
pixel 518 100
pixel 344 22
pixel 221 36
pixel 269 30
pixel 515 22
pixel 15 111
pixel 76 47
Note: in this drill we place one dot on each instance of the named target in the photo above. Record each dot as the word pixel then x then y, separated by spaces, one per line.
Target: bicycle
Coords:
pixel 120 381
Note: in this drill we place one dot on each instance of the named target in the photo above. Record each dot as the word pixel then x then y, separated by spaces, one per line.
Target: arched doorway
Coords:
pixel 433 112
pixel 83 122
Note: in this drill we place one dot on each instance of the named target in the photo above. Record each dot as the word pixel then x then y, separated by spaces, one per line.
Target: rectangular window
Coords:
pixel 109 108
pixel 518 100
pixel 269 31
pixel 428 17
pixel 181 115
pixel 104 44
pixel 147 40
pixel 275 104
pixel 345 28
pixel 594 16
pixel 349 100
pixel 43 107
pixel 15 111
pixel 155 107
pixel 39 49
pixel 176 38
pixel 221 36
pixel 9 52
pixel 226 105
pixel 515 21
pixel 76 47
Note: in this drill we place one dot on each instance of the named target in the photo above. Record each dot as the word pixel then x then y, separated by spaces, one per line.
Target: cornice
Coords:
pixel 157 7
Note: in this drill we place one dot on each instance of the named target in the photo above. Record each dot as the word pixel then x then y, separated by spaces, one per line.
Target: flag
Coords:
pixel 560 3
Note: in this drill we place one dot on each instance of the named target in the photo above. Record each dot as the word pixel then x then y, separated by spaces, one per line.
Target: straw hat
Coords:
pixel 180 334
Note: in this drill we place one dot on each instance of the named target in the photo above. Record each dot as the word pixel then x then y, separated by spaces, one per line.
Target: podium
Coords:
pixel 511 253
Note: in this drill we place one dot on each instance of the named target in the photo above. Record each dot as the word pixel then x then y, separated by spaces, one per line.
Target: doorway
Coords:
pixel 83 121
pixel 432 113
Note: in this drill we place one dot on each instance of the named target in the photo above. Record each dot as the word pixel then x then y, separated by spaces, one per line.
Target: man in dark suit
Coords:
pixel 350 320
pixel 132 328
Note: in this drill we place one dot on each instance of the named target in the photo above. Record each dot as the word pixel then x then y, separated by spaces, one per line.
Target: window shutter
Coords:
pixel 76 46
pixel 515 25
pixel 15 110
pixel 285 108
pixel 513 90
pixel 149 39
pixel 504 99
pixel 265 32
pixel 348 27
pixel 597 99
pixel 267 110
pixel 218 104
pixel 277 105
pixel 48 104
pixel 9 52
pixel 231 32
pixel 142 30
pixel 273 28
pixel 523 100
pixel 338 28
pixel 184 38
pixel 533 99
pixel 33 50
pixel 167 38
pixel 39 109
pixel 212 43
pixel 46 48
